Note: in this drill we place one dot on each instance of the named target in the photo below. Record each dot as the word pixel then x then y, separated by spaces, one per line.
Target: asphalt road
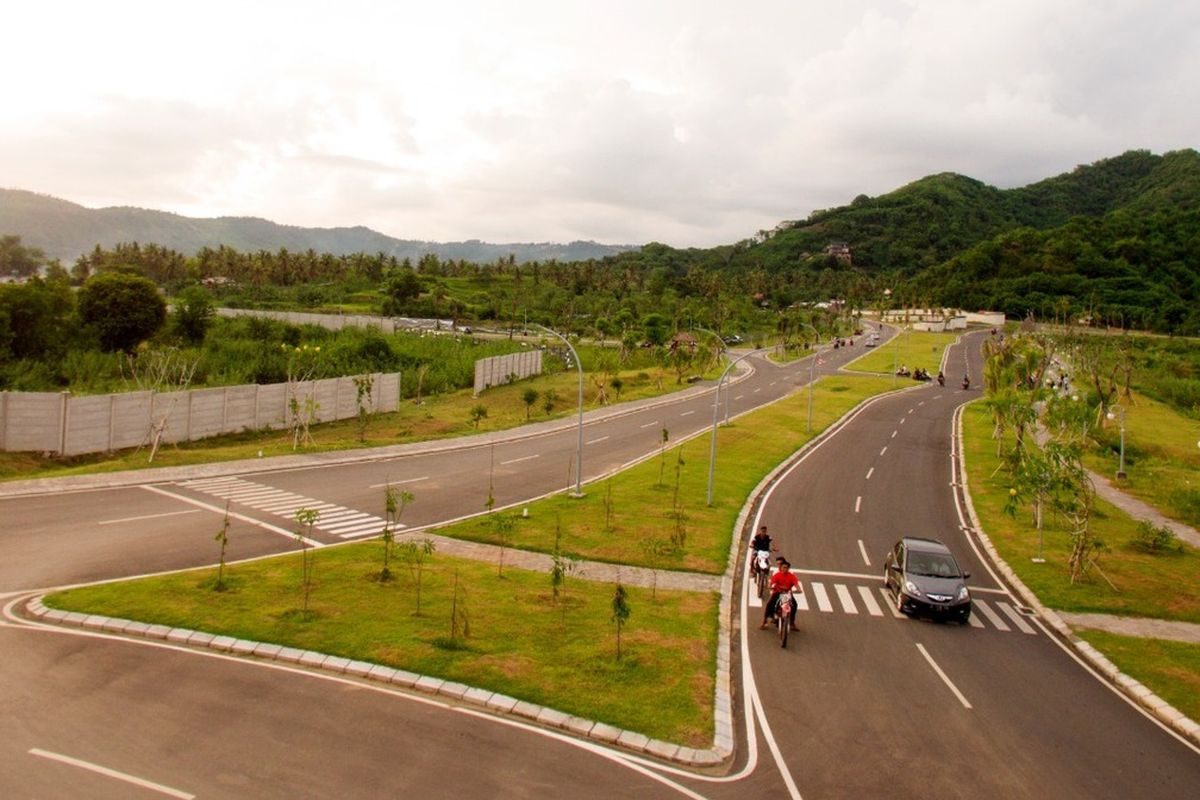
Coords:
pixel 877 704
pixel 852 706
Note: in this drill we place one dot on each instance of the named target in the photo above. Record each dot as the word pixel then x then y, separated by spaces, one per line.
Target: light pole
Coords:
pixel 1120 409
pixel 720 349
pixel 811 376
pixel 712 449
pixel 579 450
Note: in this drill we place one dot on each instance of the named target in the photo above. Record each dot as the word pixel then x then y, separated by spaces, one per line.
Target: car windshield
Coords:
pixel 934 565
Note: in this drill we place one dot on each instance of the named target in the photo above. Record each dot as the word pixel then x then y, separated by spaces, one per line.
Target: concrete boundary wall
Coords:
pixel 499 370
pixel 339 321
pixel 56 422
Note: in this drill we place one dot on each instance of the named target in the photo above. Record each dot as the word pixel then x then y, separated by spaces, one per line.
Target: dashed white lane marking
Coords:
pixel 772 383
pixel 821 596
pixel 894 434
pixel 909 411
pixel 845 598
pixel 650 424
pixel 756 391
pixel 902 420
pixel 519 460
pixel 148 516
pixel 399 483
pixel 111 773
pixel 1011 613
pixel 884 450
pixel 992 617
pixel 870 472
pixel 943 676
pixel 921 403
pixel 862 548
pixel 739 397
pixel 890 603
pixel 937 397
pixel 869 601
pixel 596 441
pixel 857 503
pixel 685 413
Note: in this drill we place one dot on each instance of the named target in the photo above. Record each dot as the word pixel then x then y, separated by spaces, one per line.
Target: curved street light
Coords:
pixel 579 450
pixel 712 450
pixel 1121 410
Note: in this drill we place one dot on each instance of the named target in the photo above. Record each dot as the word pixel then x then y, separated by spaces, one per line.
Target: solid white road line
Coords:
pixel 862 548
pixel 596 441
pixel 943 676
pixel 1012 614
pixel 858 504
pixel 148 516
pixel 519 460
pixel 111 773
pixel 218 510
pixel 884 450
pixel 845 598
pixel 869 601
pixel 992 616
pixel 870 472
pixel 398 483
pixel 889 603
pixel 822 597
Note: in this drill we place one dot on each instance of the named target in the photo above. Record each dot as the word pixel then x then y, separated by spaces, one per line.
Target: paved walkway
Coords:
pixel 1141 510
pixel 1136 626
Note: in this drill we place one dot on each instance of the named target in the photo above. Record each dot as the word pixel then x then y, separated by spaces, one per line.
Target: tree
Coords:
pixel 33 319
pixel 478 412
pixel 662 455
pixel 401 286
pixel 193 314
pixel 503 526
pixel 222 538
pixel 124 310
pixel 363 386
pixel 529 396
pixel 549 398
pixel 620 613
pixel 306 518
pixel 415 554
pixel 17 259
pixel 394 502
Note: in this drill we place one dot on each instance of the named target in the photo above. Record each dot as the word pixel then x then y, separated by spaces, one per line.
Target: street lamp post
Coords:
pixel 712 449
pixel 579 450
pixel 1120 409
pixel 811 376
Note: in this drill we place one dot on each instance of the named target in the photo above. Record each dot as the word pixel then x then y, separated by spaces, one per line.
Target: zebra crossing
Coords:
pixel 345 523
pixel 872 601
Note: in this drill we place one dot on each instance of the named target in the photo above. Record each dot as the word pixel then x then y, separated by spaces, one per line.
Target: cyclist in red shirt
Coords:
pixel 782 581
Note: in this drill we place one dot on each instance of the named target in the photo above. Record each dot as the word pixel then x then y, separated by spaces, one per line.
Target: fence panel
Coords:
pixel 33 421
pixel 130 419
pixel 88 420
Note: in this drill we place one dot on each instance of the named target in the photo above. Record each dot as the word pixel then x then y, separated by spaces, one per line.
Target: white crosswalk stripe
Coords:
pixel 817 595
pixel 346 523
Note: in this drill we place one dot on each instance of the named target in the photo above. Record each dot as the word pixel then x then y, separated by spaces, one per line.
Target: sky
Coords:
pixel 688 122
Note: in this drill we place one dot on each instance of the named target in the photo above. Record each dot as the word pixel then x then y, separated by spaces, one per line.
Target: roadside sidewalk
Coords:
pixel 1135 626
pixel 1141 510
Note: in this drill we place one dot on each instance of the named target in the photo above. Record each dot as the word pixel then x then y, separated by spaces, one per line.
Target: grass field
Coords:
pixel 1165 586
pixel 520 641
pixel 909 348
pixel 1169 669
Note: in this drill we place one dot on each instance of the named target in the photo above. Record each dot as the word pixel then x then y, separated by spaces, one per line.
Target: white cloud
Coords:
pixel 692 123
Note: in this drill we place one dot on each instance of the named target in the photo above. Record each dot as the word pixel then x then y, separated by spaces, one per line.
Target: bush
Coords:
pixel 1156 539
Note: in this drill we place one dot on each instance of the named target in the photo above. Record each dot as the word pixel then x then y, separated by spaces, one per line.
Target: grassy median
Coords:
pixel 912 349
pixel 1169 669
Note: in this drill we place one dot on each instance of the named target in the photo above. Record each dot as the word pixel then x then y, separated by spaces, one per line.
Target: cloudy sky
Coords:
pixel 683 121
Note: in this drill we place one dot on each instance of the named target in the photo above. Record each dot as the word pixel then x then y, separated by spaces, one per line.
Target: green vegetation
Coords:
pixel 519 641
pixel 1169 669
pixel 908 348
pixel 612 522
pixel 1147 585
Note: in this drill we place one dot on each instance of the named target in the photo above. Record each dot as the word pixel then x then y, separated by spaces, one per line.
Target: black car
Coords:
pixel 925 579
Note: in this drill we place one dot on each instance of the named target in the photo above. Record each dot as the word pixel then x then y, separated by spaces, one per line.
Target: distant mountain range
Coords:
pixel 65 230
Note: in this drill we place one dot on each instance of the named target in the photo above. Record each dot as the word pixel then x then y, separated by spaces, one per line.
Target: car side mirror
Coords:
pixel 966 575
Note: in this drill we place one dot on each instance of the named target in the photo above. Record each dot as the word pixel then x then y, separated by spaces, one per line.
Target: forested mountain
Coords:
pixel 65 230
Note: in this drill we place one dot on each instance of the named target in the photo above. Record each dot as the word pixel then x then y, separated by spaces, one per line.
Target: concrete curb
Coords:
pixel 1137 692
pixel 449 691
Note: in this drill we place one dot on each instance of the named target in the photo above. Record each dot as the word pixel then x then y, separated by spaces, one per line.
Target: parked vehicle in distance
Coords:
pixel 926 579
pixel 872 340
pixel 733 338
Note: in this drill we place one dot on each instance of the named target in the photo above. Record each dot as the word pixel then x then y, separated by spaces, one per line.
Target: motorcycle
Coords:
pixel 966 384
pixel 760 569
pixel 783 615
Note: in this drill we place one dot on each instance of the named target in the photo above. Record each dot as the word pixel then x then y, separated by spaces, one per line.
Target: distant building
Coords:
pixel 683 341
pixel 839 250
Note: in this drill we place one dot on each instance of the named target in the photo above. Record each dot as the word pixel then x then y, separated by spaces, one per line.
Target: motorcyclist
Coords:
pixel 761 543
pixel 966 384
pixel 941 378
pixel 782 581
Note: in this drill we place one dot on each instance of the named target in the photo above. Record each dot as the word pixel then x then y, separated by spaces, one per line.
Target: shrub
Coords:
pixel 1156 539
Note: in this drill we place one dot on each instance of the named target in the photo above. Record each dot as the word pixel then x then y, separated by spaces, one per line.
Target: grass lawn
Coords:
pixel 438 417
pixel 1169 669
pixel 520 641
pixel 910 348
pixel 644 497
pixel 1162 457
pixel 1164 586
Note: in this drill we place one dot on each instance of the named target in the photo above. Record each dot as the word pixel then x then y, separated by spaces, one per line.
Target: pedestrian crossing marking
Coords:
pixel 822 597
pixel 974 622
pixel 345 523
pixel 1011 613
pixel 992 617
pixel 843 593
pixel 869 601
